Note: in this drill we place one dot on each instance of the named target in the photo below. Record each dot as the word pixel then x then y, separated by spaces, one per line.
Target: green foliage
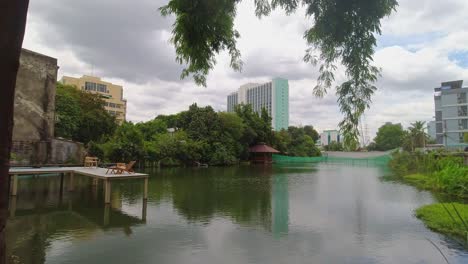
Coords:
pixel 389 136
pixel 447 218
pixel 434 171
pixel 415 137
pixel 81 116
pixel 343 32
pixel 297 141
pixel 152 127
pixel 465 137
pixel 95 150
pixel 201 136
pixel 334 146
pixel 125 145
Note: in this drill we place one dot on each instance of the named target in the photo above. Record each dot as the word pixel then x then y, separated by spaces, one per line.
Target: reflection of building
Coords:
pixel 451 112
pixel 280 204
pixel 112 94
pixel 273 96
pixel 329 136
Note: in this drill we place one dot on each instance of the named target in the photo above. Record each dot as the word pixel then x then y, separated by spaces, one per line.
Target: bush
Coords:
pixel 334 146
pixel 95 150
pixel 435 171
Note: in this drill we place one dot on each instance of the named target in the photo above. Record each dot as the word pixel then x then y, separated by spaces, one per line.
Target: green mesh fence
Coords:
pixel 380 160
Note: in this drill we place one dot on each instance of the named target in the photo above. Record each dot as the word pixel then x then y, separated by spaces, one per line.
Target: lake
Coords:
pixel 295 213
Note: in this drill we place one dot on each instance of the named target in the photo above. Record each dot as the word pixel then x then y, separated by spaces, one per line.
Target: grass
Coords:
pixel 419 180
pixel 446 218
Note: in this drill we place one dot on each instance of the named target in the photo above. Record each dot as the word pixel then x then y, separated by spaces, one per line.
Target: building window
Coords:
pixel 461 98
pixel 439 128
pixel 460 137
pixel 438 115
pixel 463 110
pixel 90 86
pixel 102 88
pixel 463 123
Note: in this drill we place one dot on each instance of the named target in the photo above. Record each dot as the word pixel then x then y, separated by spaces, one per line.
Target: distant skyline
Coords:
pixel 127 42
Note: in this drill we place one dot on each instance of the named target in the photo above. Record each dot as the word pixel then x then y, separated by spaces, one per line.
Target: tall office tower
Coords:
pixel 273 96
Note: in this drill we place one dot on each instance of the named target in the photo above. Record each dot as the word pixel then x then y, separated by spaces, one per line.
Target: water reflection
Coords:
pixel 42 213
pixel 282 214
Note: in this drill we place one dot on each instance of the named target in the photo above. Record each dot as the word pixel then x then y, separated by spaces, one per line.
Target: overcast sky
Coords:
pixel 126 42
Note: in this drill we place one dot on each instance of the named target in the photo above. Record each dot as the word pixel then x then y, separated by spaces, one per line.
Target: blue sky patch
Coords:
pixel 410 42
pixel 460 58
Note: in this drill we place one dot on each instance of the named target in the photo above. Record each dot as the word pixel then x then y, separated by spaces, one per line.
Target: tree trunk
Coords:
pixel 12 25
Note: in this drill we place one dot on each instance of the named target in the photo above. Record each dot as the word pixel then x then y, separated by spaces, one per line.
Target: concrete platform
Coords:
pixel 95 173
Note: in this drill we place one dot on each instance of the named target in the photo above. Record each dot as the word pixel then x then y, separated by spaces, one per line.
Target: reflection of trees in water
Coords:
pixel 41 214
pixel 240 193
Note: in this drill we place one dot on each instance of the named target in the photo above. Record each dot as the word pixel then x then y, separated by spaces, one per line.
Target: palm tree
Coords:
pixel 417 134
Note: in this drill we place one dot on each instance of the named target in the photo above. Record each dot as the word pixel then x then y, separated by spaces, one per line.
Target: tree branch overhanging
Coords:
pixel 343 33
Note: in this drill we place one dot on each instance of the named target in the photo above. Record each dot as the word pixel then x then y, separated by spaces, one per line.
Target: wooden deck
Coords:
pixel 95 173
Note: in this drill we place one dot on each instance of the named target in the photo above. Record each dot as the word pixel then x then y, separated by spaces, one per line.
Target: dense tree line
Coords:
pixel 198 134
pixel 392 136
pixel 202 135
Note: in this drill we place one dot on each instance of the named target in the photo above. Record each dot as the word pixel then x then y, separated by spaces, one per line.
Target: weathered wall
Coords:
pixel 34 107
pixel 66 151
pixel 35 97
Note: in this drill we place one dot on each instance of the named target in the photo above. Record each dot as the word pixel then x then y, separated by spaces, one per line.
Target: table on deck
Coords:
pixel 95 173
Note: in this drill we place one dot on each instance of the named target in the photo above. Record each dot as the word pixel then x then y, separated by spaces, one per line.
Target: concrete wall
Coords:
pixel 35 97
pixel 66 151
pixel 34 107
pixel 34 117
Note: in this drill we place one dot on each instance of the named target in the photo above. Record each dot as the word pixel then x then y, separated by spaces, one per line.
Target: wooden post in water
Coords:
pixel 12 207
pixel 14 188
pixel 70 184
pixel 145 189
pixel 106 214
pixel 107 191
pixel 143 212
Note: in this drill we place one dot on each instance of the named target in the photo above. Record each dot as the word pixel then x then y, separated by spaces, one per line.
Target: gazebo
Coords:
pixel 262 153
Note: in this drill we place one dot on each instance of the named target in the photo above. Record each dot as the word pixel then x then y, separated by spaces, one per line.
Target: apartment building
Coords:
pixel 273 96
pixel 451 113
pixel 112 94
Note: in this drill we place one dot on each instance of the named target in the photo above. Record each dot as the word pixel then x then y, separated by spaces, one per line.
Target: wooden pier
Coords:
pixel 95 173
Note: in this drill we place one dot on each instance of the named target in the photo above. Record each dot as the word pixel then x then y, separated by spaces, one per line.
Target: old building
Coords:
pixel 34 116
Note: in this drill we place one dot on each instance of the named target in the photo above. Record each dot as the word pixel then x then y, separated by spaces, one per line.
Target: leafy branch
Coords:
pixel 343 32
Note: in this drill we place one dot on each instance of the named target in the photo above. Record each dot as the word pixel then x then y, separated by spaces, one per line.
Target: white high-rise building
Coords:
pixel 273 96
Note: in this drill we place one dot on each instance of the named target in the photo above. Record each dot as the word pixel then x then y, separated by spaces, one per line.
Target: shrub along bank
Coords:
pixel 437 172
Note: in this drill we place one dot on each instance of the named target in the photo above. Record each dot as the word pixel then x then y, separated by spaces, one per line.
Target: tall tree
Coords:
pixel 81 115
pixel 389 136
pixel 12 26
pixel 343 33
pixel 416 136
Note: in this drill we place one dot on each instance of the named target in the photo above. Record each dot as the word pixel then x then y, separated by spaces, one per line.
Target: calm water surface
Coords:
pixel 311 213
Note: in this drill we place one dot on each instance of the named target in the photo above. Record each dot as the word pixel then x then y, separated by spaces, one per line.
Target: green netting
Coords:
pixel 380 160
